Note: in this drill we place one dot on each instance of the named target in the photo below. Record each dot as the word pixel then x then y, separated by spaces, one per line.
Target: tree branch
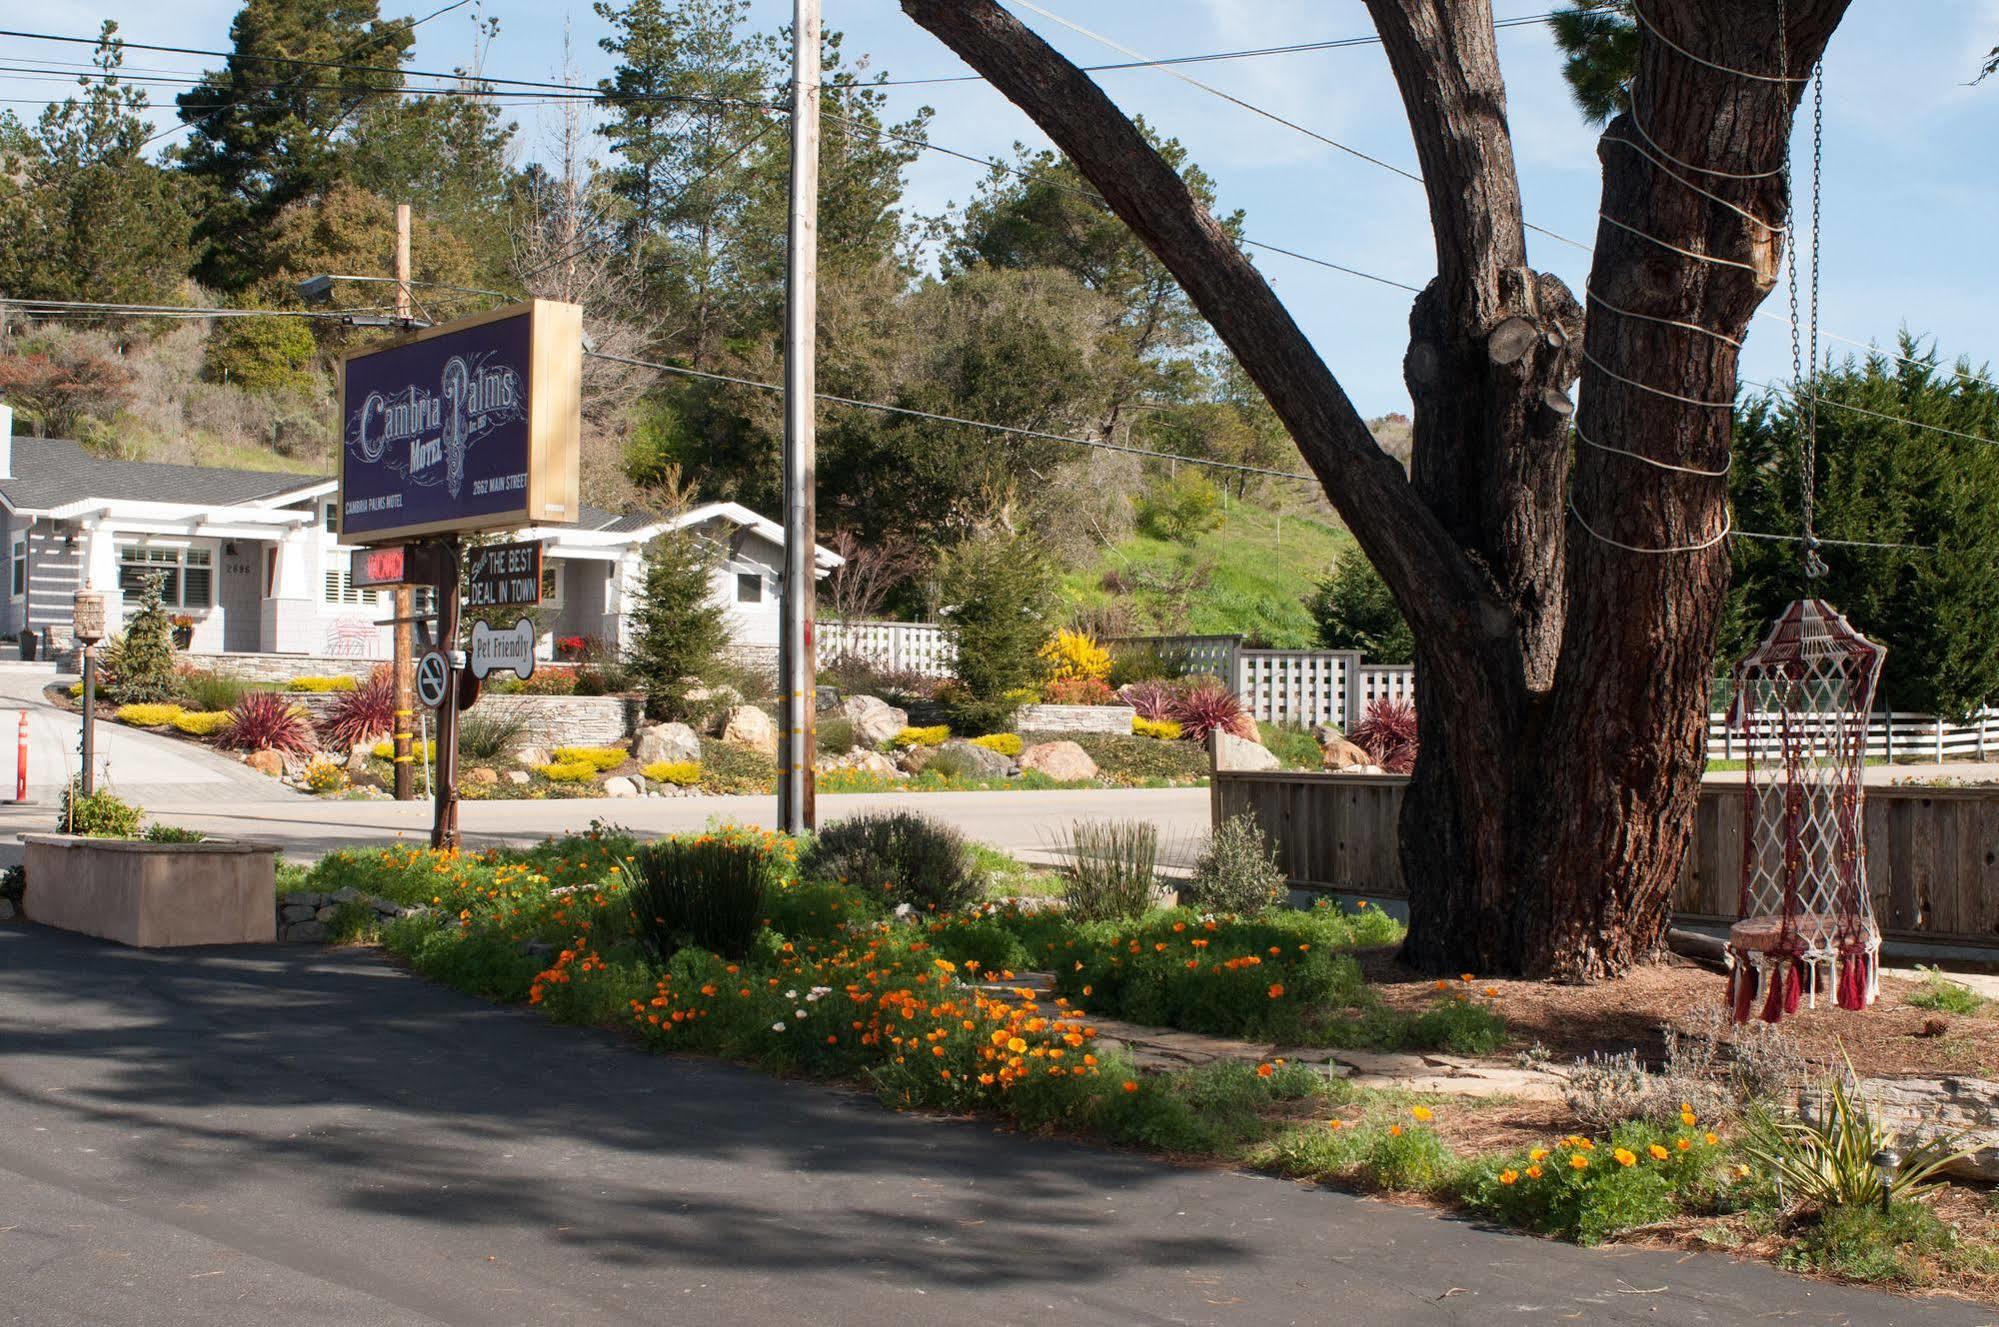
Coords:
pixel 1447 49
pixel 1440 591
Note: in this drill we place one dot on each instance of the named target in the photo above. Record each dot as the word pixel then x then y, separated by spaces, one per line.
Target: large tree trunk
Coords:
pixel 1562 675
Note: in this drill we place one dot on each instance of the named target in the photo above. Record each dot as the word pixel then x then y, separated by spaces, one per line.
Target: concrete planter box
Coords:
pixel 152 895
pixel 1074 719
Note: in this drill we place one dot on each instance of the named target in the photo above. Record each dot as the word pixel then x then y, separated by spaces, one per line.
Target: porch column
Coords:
pixel 100 571
pixel 291 608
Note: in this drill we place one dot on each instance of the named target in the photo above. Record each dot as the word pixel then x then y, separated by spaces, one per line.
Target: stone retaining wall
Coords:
pixel 259 667
pixel 1074 719
pixel 550 720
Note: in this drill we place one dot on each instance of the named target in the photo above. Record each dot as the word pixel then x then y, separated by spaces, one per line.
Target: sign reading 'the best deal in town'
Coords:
pixel 471 425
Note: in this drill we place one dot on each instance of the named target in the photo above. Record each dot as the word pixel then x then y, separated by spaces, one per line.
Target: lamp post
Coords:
pixel 1886 1162
pixel 87 619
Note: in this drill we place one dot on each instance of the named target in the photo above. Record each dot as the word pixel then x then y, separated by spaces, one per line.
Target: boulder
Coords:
pixel 620 787
pixel 987 763
pixel 674 742
pixel 357 759
pixel 916 759
pixel 875 720
pixel 532 756
pixel 1232 752
pixel 1325 734
pixel 517 777
pixel 1913 1109
pixel 296 912
pixel 1058 760
pixel 746 725
pixel 482 775
pixel 266 762
pixel 307 932
pixel 870 762
pixel 1342 754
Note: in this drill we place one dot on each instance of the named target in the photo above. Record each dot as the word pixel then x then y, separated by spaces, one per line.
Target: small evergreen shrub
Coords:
pixel 707 891
pixel 1161 730
pixel 157 833
pixel 1113 869
pixel 899 856
pixel 150 715
pixel 141 662
pixel 101 815
pixel 1293 746
pixel 679 773
pixel 1237 871
pixel 568 771
pixel 200 723
pixel 728 768
pixel 935 735
pixel 599 758
pixel 322 685
pixel 266 721
pixel 1007 744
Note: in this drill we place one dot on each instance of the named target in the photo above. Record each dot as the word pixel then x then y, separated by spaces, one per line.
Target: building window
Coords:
pixel 187 574
pixel 332 517
pixel 749 587
pixel 551 586
pixel 340 588
pixel 18 586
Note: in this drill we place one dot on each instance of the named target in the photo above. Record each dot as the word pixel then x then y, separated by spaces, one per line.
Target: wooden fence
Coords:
pixel 1932 853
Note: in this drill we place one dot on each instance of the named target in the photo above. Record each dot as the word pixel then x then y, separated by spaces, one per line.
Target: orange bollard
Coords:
pixel 21 763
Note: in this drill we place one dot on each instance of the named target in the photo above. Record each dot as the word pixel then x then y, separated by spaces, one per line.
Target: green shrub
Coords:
pixel 1355 611
pixel 1863 1243
pixel 1293 745
pixel 983 717
pixel 998 590
pixel 201 723
pixel 1828 1158
pixel 707 891
pixel 899 856
pixel 835 736
pixel 1457 1024
pixel 1007 744
pixel 600 758
pixel 152 715
pixel 1408 1157
pixel 262 354
pixel 1179 508
pixel 1944 995
pixel 679 773
pixel 936 735
pixel 1142 661
pixel 1236 871
pixel 1588 1191
pixel 1128 761
pixel 1113 868
pixel 568 771
pixel 204 691
pixel 816 909
pixel 679 629
pixel 489 732
pixel 157 833
pixel 101 815
pixel 728 768
pixel 141 661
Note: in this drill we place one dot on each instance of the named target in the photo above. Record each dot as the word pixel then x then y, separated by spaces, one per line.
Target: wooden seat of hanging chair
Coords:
pixel 1763 934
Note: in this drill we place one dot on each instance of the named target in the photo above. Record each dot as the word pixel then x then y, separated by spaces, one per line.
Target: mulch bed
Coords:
pixel 1893 1039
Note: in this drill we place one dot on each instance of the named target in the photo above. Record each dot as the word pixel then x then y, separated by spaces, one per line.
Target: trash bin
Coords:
pixel 28 646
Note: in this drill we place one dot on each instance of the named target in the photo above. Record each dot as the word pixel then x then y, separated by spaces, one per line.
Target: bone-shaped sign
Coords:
pixel 503 649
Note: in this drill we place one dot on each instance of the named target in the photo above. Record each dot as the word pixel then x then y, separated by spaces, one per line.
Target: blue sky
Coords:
pixel 1910 186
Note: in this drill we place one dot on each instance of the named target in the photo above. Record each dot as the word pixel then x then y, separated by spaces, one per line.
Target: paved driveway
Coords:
pixel 256 1136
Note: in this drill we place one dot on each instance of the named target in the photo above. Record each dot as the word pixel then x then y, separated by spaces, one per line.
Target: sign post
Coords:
pixel 469 426
pixel 89 627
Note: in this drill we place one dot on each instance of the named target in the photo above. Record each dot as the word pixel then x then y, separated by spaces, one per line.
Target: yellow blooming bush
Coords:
pixel 679 773
pixel 420 751
pixel 1007 744
pixel 325 776
pixel 148 716
pixel 321 685
pixel 1165 730
pixel 568 771
pixel 936 735
pixel 1072 655
pixel 599 758
pixel 200 723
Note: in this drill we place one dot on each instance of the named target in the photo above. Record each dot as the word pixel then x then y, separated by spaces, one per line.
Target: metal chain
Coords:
pixel 1802 393
pixel 1814 566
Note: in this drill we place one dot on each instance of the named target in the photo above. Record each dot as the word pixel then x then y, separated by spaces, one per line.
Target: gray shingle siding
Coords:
pixel 55 573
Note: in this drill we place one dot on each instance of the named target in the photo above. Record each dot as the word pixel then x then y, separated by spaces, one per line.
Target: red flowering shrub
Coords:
pixel 1078 691
pixel 363 714
pixel 1200 710
pixel 267 721
pixel 1388 731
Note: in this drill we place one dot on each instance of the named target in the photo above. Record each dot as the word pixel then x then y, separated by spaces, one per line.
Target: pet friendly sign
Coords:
pixel 503 649
pixel 471 425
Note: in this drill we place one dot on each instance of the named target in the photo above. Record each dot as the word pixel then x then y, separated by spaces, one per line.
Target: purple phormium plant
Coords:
pixel 267 721
pixel 363 714
pixel 1388 731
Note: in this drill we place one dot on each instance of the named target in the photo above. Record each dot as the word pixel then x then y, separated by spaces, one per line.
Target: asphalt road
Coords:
pixel 264 1135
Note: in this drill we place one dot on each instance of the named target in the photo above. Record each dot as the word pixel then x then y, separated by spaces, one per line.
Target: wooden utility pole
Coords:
pixel 403 663
pixel 797 664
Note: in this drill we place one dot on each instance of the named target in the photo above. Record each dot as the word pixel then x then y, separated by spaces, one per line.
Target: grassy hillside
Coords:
pixel 1249 576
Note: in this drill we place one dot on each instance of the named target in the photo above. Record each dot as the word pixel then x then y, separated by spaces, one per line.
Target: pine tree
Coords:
pixel 141 661
pixel 1355 611
pixel 999 597
pixel 680 628
pixel 267 130
pixel 87 216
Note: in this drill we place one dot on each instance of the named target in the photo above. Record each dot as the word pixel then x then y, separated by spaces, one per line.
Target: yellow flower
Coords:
pixel 1533 1172
pixel 1683 1145
pixel 1658 1153
pixel 1712 1139
pixel 1579 1162
pixel 1422 1113
pixel 1537 1154
pixel 1508 1176
pixel 1687 1118
pixel 1016 1045
pixel 1625 1157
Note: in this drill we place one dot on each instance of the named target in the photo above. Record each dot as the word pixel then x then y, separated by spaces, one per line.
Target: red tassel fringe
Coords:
pixel 1855 973
pixel 1742 989
pixel 1794 988
pixel 1773 1007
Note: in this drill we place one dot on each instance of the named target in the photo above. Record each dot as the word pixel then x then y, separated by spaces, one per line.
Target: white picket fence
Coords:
pixel 916 647
pixel 1891 734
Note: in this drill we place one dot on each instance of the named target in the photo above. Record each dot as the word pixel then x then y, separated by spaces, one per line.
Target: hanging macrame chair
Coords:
pixel 1801 708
